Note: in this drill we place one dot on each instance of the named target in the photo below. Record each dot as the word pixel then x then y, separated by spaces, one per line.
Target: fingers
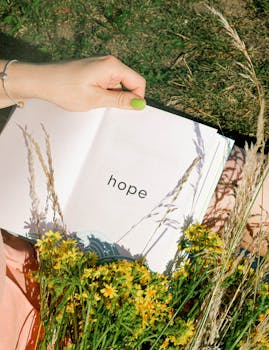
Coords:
pixel 98 82
pixel 133 81
pixel 121 74
pixel 116 74
pixel 119 99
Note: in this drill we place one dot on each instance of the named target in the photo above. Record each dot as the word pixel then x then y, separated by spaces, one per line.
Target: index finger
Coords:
pixel 132 80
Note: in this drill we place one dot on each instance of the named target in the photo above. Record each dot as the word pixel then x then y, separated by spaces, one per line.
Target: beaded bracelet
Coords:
pixel 3 77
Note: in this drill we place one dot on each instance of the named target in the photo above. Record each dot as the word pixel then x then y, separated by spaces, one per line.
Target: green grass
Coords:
pixel 180 48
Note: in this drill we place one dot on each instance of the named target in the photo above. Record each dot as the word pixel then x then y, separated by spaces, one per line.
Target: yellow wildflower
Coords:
pixel 56 235
pixel 183 270
pixel 262 317
pixel 97 297
pixel 150 292
pixel 109 291
pixel 145 278
pixel 87 273
pixel 84 295
pixel 165 343
pixel 184 338
pixel 190 330
pixel 251 271
pixel 70 308
pixel 240 268
pixel 264 342
pixel 57 265
pixel 128 281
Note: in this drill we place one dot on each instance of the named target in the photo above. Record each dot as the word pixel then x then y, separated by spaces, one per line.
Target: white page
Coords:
pixel 71 134
pixel 150 150
pixel 213 173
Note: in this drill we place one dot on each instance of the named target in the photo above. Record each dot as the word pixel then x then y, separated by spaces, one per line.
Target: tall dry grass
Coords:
pixel 215 323
pixel 33 148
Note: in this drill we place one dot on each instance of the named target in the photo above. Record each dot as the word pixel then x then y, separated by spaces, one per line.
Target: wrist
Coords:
pixel 24 80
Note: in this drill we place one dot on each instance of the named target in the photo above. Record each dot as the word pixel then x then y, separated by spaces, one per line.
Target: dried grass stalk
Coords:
pixel 33 146
pixel 33 195
pixel 215 319
pixel 166 206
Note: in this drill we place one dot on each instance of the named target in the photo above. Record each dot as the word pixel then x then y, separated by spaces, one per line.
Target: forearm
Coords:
pixel 24 81
pixel 75 85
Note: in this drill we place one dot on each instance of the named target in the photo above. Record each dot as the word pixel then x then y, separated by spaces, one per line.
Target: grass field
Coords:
pixel 179 47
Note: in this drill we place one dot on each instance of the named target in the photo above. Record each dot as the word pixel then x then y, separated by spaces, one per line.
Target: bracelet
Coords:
pixel 3 77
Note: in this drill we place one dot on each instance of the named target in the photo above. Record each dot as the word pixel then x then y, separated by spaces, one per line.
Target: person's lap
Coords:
pixel 19 318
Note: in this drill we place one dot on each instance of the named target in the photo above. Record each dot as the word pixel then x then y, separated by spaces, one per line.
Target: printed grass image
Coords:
pixel 216 295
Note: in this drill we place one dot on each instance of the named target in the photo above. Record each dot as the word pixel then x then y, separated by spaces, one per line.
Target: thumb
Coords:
pixel 121 99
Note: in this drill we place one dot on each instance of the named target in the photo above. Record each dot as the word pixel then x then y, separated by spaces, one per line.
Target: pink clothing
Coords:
pixel 19 316
pixel 2 266
pixel 223 199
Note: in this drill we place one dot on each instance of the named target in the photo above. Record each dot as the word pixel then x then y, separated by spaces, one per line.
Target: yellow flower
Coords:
pixel 144 320
pixel 97 273
pixel 144 279
pixel 128 281
pixel 56 235
pixel 240 268
pixel 70 308
pixel 165 343
pixel 262 317
pixel 183 270
pixel 203 238
pixel 97 296
pixel 58 265
pixel 264 342
pixel 150 292
pixel 109 291
pixel 184 338
pixel 87 273
pixel 190 329
pixel 84 295
pixel 251 271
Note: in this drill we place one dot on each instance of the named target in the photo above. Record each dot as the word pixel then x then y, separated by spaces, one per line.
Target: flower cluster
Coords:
pixel 121 302
pixel 124 305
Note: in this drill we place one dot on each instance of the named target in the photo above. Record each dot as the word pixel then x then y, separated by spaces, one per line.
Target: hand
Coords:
pixel 78 85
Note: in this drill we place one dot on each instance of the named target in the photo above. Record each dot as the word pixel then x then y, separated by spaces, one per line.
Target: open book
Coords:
pixel 134 178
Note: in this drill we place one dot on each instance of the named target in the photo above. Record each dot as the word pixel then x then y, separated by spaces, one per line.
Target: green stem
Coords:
pixel 177 311
pixel 85 326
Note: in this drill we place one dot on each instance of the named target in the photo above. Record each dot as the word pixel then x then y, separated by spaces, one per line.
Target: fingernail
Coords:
pixel 138 103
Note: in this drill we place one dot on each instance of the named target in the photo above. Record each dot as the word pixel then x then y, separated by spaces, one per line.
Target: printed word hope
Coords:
pixel 129 189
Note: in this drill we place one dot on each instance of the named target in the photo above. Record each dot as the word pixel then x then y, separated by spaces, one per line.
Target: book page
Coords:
pixel 135 161
pixel 130 177
pixel 71 135
pixel 212 173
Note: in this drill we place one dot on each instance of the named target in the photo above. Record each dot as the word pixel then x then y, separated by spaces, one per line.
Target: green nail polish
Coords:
pixel 138 103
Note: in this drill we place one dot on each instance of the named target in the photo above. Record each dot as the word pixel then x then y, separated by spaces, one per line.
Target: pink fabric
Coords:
pixel 223 201
pixel 19 317
pixel 2 267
